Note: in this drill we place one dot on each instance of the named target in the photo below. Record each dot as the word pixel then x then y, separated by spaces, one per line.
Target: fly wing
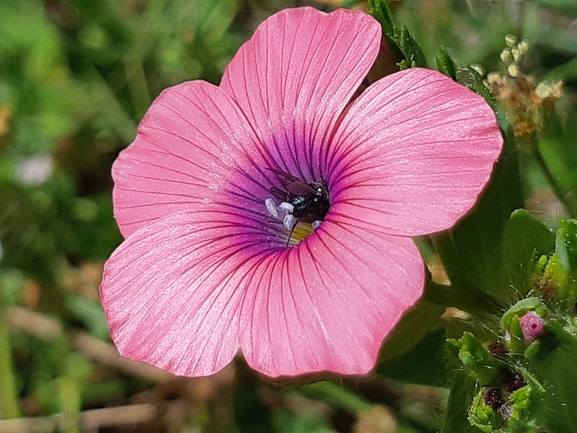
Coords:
pixel 301 188
pixel 285 175
pixel 278 193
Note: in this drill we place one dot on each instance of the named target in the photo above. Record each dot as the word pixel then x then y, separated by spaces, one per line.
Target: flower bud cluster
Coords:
pixel 508 393
pixel 523 325
pixel 524 371
pixel 527 102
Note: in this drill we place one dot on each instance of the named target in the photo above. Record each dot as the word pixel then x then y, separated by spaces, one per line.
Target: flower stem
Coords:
pixel 553 182
pixel 70 401
pixel 9 407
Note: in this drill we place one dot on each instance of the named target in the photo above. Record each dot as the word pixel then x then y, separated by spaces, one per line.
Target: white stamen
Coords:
pixel 271 207
pixel 286 207
pixel 289 221
pixel 316 224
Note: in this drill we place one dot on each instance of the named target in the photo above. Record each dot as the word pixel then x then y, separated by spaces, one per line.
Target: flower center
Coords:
pixel 301 206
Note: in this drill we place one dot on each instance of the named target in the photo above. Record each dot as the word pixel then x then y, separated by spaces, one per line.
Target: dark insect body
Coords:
pixel 310 200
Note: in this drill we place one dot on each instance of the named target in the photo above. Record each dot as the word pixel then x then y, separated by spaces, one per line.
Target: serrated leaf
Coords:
pixel 381 12
pixel 409 47
pixel 445 63
pixel 398 39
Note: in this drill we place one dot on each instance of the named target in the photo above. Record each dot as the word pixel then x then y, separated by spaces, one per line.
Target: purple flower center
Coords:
pixel 301 206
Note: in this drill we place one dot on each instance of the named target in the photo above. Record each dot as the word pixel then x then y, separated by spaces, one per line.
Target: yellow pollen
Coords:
pixel 301 231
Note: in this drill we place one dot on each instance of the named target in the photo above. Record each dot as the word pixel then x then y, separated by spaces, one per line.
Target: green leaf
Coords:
pixel 251 414
pixel 564 6
pixel 477 358
pixel 412 328
pixel 460 399
pixel 558 152
pixel 472 251
pixel 88 312
pixel 566 245
pixel 446 64
pixel 558 374
pixel 424 364
pixel 559 271
pixel 526 239
pixel 412 52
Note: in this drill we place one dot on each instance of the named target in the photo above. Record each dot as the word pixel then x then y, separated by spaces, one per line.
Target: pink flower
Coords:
pixel 205 270
pixel 532 326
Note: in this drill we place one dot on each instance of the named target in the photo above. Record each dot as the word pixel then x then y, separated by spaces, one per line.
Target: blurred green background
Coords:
pixel 76 77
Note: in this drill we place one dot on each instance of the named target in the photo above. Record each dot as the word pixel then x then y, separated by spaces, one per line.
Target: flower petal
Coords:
pixel 327 304
pixel 172 291
pixel 412 154
pixel 188 145
pixel 294 77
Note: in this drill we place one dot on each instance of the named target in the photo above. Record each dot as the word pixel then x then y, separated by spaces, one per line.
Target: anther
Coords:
pixel 289 222
pixel 271 207
pixel 286 207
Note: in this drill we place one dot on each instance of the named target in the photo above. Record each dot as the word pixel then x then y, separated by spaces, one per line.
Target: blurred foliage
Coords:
pixel 76 77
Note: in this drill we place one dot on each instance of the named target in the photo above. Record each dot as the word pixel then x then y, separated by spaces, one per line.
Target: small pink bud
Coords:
pixel 532 326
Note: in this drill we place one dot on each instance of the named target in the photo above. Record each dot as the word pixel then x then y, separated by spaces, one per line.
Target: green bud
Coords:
pixel 482 415
pixel 521 308
pixel 524 405
pixel 520 337
pixel 511 40
pixel 523 46
pixel 506 56
pixel 477 358
pixel 551 279
pixel 513 70
pixel 556 276
pixel 510 406
pixel 514 336
pixel 516 54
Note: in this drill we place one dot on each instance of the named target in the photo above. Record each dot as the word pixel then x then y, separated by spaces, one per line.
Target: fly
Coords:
pixel 301 201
